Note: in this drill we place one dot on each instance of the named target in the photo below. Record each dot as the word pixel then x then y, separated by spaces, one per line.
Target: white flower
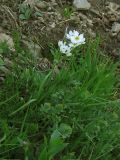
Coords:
pixel 78 39
pixel 64 48
pixel 60 43
pixel 72 33
pixel 75 38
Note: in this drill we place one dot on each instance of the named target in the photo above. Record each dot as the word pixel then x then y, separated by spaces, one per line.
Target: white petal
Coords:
pixel 73 40
pixel 71 45
pixel 69 54
pixel 71 33
pixel 76 33
pixel 81 36
pixel 82 39
pixel 68 36
pixel 60 43
pixel 65 48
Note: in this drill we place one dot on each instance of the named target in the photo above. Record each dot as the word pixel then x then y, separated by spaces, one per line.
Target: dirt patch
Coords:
pixel 48 22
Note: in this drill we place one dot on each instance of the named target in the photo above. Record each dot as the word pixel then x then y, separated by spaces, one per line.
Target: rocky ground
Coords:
pixel 44 22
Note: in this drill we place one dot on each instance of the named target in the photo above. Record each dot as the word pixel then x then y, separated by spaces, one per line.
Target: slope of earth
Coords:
pixel 45 22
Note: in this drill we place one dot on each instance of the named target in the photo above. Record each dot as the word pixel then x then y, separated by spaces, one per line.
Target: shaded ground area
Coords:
pixel 48 21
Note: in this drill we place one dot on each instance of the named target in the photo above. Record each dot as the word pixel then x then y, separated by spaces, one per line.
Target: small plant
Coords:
pixel 4 49
pixel 67 12
pixel 56 144
pixel 25 12
pixel 1 62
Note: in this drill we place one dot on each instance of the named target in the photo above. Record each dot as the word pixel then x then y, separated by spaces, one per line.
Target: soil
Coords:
pixel 52 20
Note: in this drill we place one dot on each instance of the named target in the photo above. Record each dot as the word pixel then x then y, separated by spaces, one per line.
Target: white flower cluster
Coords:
pixel 73 39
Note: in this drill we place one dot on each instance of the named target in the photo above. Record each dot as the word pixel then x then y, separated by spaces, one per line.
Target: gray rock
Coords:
pixel 31 3
pixel 42 5
pixel 116 27
pixel 33 48
pixel 81 4
pixel 112 6
pixel 118 37
pixel 36 3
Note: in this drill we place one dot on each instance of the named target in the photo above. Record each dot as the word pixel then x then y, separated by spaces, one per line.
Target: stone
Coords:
pixel 36 3
pixel 81 4
pixel 31 3
pixel 42 5
pixel 44 64
pixel 113 12
pixel 113 6
pixel 115 27
pixel 118 37
pixel 33 48
pixel 6 38
pixel 116 52
pixel 53 25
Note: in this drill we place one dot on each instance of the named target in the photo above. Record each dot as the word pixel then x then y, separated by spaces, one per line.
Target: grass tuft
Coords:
pixel 69 114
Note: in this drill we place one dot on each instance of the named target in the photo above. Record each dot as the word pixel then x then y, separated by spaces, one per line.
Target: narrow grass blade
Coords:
pixel 23 106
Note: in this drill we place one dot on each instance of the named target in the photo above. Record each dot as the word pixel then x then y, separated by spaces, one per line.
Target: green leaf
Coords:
pixel 56 143
pixel 38 14
pixel 22 17
pixel 56 135
pixel 23 106
pixel 55 147
pixel 43 154
pixel 28 13
pixel 65 130
pixel 1 62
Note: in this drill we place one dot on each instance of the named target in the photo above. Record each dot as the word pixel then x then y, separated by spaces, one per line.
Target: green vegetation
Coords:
pixel 70 112
pixel 68 11
pixel 25 12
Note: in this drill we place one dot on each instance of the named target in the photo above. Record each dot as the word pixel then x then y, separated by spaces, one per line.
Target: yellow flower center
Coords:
pixel 77 38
